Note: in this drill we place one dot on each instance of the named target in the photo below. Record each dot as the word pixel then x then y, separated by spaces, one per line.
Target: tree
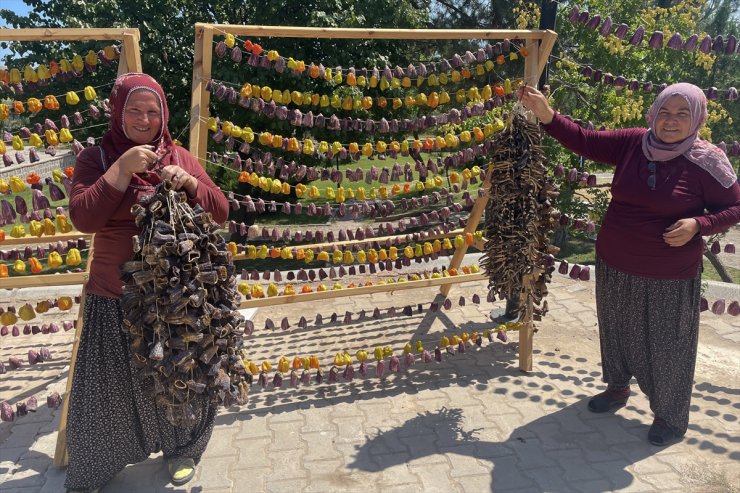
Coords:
pixel 167 32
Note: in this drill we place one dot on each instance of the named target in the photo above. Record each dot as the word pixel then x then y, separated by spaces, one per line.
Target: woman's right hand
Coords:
pixel 536 102
pixel 136 160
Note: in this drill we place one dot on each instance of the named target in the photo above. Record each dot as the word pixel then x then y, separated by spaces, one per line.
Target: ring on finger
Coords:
pixel 176 176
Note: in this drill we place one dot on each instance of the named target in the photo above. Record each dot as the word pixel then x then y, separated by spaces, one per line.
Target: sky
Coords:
pixel 16 6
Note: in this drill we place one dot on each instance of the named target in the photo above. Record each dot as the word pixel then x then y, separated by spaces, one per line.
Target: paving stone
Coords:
pixel 435 477
pixel 473 423
pixel 54 481
pixel 221 443
pixel 26 473
pixel 253 427
pixel 467 464
pixel 548 478
pixel 475 484
pixel 507 474
pixel 288 464
pixel 249 479
pixel 320 445
pixel 591 486
pixel 286 436
pixel 350 429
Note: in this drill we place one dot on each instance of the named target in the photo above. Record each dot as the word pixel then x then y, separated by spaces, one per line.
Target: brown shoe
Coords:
pixel 608 400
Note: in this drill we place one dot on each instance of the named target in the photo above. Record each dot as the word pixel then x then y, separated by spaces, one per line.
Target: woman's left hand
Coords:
pixel 180 179
pixel 680 232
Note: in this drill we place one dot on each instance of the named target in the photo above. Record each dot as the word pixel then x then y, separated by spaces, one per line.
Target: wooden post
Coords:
pixel 200 97
pixel 532 73
pixel 130 59
pixel 61 456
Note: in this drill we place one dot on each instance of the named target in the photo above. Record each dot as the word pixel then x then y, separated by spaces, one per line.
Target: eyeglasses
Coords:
pixel 651 178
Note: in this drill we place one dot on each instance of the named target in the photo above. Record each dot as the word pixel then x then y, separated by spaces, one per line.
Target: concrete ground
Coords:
pixel 472 423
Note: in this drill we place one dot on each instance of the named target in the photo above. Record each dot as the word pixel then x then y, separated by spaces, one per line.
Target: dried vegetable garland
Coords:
pixel 519 218
pixel 454 69
pixel 706 45
pixel 180 307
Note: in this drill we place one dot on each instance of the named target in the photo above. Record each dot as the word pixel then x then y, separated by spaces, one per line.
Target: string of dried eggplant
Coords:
pixel 519 217
pixel 179 305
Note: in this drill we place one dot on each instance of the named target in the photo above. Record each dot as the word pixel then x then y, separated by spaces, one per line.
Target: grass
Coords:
pixel 582 252
pixel 28 197
pixel 710 273
pixel 578 251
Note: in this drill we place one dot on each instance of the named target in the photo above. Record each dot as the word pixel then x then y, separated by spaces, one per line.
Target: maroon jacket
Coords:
pixel 630 239
pixel 97 207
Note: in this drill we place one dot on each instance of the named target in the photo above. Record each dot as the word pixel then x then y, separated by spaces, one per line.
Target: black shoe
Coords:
pixel 662 434
pixel 608 400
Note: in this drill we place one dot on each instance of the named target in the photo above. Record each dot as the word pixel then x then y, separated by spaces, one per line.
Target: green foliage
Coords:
pixel 167 35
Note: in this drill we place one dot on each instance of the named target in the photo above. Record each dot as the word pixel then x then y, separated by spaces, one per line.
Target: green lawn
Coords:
pixel 579 251
pixel 27 195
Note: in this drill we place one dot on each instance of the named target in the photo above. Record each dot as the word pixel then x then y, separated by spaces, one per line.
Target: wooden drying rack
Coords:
pixel 129 61
pixel 539 44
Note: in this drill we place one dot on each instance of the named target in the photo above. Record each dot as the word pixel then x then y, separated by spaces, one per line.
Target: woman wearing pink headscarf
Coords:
pixel 669 189
pixel 113 420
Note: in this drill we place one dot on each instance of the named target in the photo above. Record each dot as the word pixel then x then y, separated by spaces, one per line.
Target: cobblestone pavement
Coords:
pixel 472 423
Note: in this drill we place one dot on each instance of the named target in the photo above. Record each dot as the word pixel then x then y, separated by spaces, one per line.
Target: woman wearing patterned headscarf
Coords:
pixel 670 188
pixel 113 421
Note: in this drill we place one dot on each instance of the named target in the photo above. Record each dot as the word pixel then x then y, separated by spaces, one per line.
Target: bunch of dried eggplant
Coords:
pixel 519 217
pixel 179 305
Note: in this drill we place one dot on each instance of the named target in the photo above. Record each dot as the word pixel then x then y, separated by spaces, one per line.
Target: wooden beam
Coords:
pixel 66 34
pixel 130 59
pixel 43 280
pixel 375 288
pixel 546 46
pixel 471 225
pixel 363 33
pixel 35 240
pixel 200 97
pixel 379 239
pixel 531 62
pixel 61 454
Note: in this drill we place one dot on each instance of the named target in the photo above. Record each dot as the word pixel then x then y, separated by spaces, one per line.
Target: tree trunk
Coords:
pixel 560 238
pixel 718 267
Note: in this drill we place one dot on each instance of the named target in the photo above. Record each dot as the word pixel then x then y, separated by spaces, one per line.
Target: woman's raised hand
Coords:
pixel 137 159
pixel 536 102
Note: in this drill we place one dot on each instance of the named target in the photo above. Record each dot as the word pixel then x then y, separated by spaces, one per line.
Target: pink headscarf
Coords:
pixel 700 152
pixel 115 141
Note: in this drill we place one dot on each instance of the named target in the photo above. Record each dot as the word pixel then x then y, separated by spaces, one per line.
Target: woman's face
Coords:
pixel 142 117
pixel 673 121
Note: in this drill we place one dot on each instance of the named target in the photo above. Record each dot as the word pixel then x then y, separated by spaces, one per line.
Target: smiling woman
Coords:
pixel 673 122
pixel 669 189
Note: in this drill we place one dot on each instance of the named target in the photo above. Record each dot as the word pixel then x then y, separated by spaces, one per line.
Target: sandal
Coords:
pixel 611 398
pixel 662 434
pixel 181 469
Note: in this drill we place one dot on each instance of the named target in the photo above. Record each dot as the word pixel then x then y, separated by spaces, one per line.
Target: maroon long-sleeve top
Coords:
pixel 631 235
pixel 96 206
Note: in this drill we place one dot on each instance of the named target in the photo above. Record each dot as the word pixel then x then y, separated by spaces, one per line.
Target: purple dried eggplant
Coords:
pixel 638 36
pixel 718 307
pixel 6 412
pixel 691 42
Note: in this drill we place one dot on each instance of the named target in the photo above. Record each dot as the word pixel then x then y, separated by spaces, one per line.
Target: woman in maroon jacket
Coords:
pixel 669 189
pixel 113 420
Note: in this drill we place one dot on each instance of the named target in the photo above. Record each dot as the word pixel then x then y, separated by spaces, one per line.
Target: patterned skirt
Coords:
pixel 649 329
pixel 113 420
